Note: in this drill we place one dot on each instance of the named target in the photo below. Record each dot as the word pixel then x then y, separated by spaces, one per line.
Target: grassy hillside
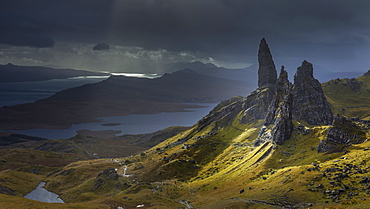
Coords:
pixel 349 97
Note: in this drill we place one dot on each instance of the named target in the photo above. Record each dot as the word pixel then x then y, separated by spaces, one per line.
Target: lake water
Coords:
pixel 130 124
pixel 43 195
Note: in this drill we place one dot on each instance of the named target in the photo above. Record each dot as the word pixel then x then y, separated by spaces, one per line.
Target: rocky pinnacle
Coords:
pixel 266 71
pixel 309 101
pixel 278 123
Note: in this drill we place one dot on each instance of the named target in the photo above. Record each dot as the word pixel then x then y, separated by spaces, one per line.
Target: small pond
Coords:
pixel 43 195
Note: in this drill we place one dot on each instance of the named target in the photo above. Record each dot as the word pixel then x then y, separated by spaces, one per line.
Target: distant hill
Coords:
pixel 16 73
pixel 120 95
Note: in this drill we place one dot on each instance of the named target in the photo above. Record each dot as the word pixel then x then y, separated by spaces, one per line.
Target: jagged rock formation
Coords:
pixel 282 102
pixel 258 101
pixel 279 114
pixel 309 101
pixel 343 133
pixel 266 71
pixel 278 101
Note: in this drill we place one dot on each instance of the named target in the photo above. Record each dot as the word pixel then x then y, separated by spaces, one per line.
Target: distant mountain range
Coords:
pixel 120 95
pixel 248 74
pixel 16 73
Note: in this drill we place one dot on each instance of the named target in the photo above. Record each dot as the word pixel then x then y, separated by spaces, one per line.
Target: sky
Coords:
pixel 145 35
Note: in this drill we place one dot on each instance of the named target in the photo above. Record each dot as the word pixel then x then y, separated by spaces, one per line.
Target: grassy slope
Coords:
pixel 21 170
pixel 348 101
pixel 230 166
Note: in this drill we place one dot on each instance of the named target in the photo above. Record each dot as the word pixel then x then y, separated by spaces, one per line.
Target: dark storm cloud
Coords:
pixel 191 24
pixel 40 23
pixel 227 30
pixel 20 31
pixel 208 24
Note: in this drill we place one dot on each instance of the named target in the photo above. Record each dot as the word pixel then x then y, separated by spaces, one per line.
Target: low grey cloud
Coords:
pixel 101 46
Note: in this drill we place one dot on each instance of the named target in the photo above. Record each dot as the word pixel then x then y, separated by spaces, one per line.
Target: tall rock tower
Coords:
pixel 309 101
pixel 266 71
pixel 258 101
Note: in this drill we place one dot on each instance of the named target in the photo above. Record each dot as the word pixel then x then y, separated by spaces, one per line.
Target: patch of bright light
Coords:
pixel 139 75
pixel 86 77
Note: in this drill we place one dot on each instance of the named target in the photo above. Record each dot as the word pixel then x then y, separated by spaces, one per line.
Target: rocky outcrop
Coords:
pixel 367 73
pixel 276 101
pixel 343 133
pixel 225 110
pixel 108 176
pixel 353 84
pixel 278 124
pixel 109 173
pixel 258 101
pixel 266 70
pixel 309 101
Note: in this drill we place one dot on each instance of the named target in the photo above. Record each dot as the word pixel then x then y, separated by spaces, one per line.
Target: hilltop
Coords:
pixel 286 145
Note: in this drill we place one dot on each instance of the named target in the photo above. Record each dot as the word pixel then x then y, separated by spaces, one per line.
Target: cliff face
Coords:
pixel 309 101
